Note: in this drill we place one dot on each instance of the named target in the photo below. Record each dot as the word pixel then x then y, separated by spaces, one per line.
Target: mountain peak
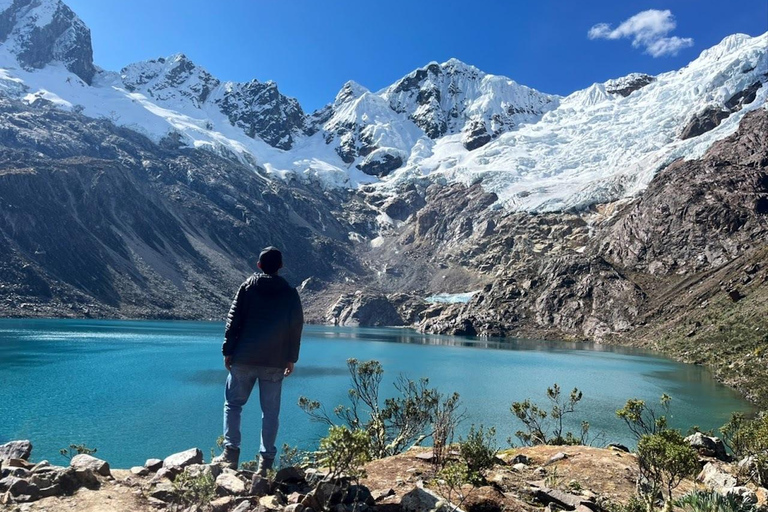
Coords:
pixel 350 90
pixel 42 32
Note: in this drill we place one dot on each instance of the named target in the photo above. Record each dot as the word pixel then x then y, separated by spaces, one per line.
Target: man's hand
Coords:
pixel 228 362
pixel 288 369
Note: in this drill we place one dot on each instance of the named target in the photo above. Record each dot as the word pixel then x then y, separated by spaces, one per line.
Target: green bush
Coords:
pixel 344 452
pixel 749 438
pixel 478 452
pixel 406 419
pixel 546 427
pixel 644 420
pixel 711 501
pixel 194 490
pixel 665 459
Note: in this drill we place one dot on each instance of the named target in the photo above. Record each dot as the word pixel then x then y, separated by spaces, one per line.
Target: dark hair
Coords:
pixel 270 260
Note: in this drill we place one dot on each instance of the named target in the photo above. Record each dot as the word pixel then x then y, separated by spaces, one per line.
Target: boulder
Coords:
pixel 139 471
pixel 295 507
pixel 184 459
pixel 290 475
pixel 16 450
pixel 222 504
pixel 358 494
pixel 228 484
pixel 85 461
pixel 153 464
pixel 87 478
pixel 67 480
pixel 708 446
pixel 197 470
pixel 270 503
pixel 419 500
pixel 244 506
pixel 259 486
pixel 163 491
pixel 717 478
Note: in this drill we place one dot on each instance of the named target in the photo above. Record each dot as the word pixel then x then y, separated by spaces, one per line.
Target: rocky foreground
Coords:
pixel 580 478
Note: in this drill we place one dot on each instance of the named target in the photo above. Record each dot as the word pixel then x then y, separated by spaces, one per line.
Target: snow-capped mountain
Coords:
pixel 448 122
pixel 39 33
pixel 258 109
pixel 453 97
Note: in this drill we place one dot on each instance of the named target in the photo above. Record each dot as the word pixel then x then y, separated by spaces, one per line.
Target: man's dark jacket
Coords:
pixel 264 323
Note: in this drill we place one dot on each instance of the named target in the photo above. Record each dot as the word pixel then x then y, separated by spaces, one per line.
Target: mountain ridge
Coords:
pixel 537 152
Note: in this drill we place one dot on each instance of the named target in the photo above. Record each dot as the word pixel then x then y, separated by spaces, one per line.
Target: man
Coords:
pixel 261 343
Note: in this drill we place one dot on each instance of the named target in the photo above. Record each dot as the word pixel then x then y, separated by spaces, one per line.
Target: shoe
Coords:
pixel 264 466
pixel 229 457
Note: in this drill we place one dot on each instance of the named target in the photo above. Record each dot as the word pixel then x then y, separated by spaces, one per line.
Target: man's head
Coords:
pixel 270 260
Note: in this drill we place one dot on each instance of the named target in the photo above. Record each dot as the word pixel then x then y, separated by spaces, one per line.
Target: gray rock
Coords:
pixel 358 494
pixel 709 446
pixel 259 486
pixel 419 500
pixel 15 450
pixel 67 479
pixel 153 464
pixel 556 458
pixel 244 506
pixel 163 491
pixel 520 459
pixel 717 478
pixel 228 484
pixel 222 504
pixel 51 490
pixel 196 470
pixel 85 461
pixel 87 478
pixel 270 503
pixel 184 459
pixel 140 471
pixel 295 507
pixel 289 475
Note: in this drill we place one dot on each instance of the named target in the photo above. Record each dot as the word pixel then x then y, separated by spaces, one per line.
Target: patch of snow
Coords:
pixel 451 298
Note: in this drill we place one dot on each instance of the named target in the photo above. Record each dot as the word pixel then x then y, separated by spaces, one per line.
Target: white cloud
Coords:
pixel 648 30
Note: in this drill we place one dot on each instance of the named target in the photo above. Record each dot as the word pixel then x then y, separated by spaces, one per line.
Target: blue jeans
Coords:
pixel 240 382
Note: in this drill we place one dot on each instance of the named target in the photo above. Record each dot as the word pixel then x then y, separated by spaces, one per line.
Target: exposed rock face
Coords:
pixel 259 109
pixel 711 117
pixel 381 162
pixel 97 219
pixel 698 214
pixel 40 32
pixel 627 85
pixel 364 310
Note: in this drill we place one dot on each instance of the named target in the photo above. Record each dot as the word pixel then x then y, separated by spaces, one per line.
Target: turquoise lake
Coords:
pixel 141 389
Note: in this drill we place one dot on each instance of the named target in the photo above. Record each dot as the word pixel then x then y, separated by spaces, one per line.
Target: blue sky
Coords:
pixel 310 47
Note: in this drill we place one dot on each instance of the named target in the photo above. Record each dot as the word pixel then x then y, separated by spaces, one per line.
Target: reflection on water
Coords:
pixel 140 389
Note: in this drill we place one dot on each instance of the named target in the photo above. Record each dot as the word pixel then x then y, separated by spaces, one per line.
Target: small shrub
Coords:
pixel 344 452
pixel 749 438
pixel 194 490
pixel 665 459
pixel 404 420
pixel 478 452
pixel 644 420
pixel 546 427
pixel 712 501
pixel 76 449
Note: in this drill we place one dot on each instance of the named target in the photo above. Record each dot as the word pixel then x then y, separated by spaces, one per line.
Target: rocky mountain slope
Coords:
pixel 634 208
